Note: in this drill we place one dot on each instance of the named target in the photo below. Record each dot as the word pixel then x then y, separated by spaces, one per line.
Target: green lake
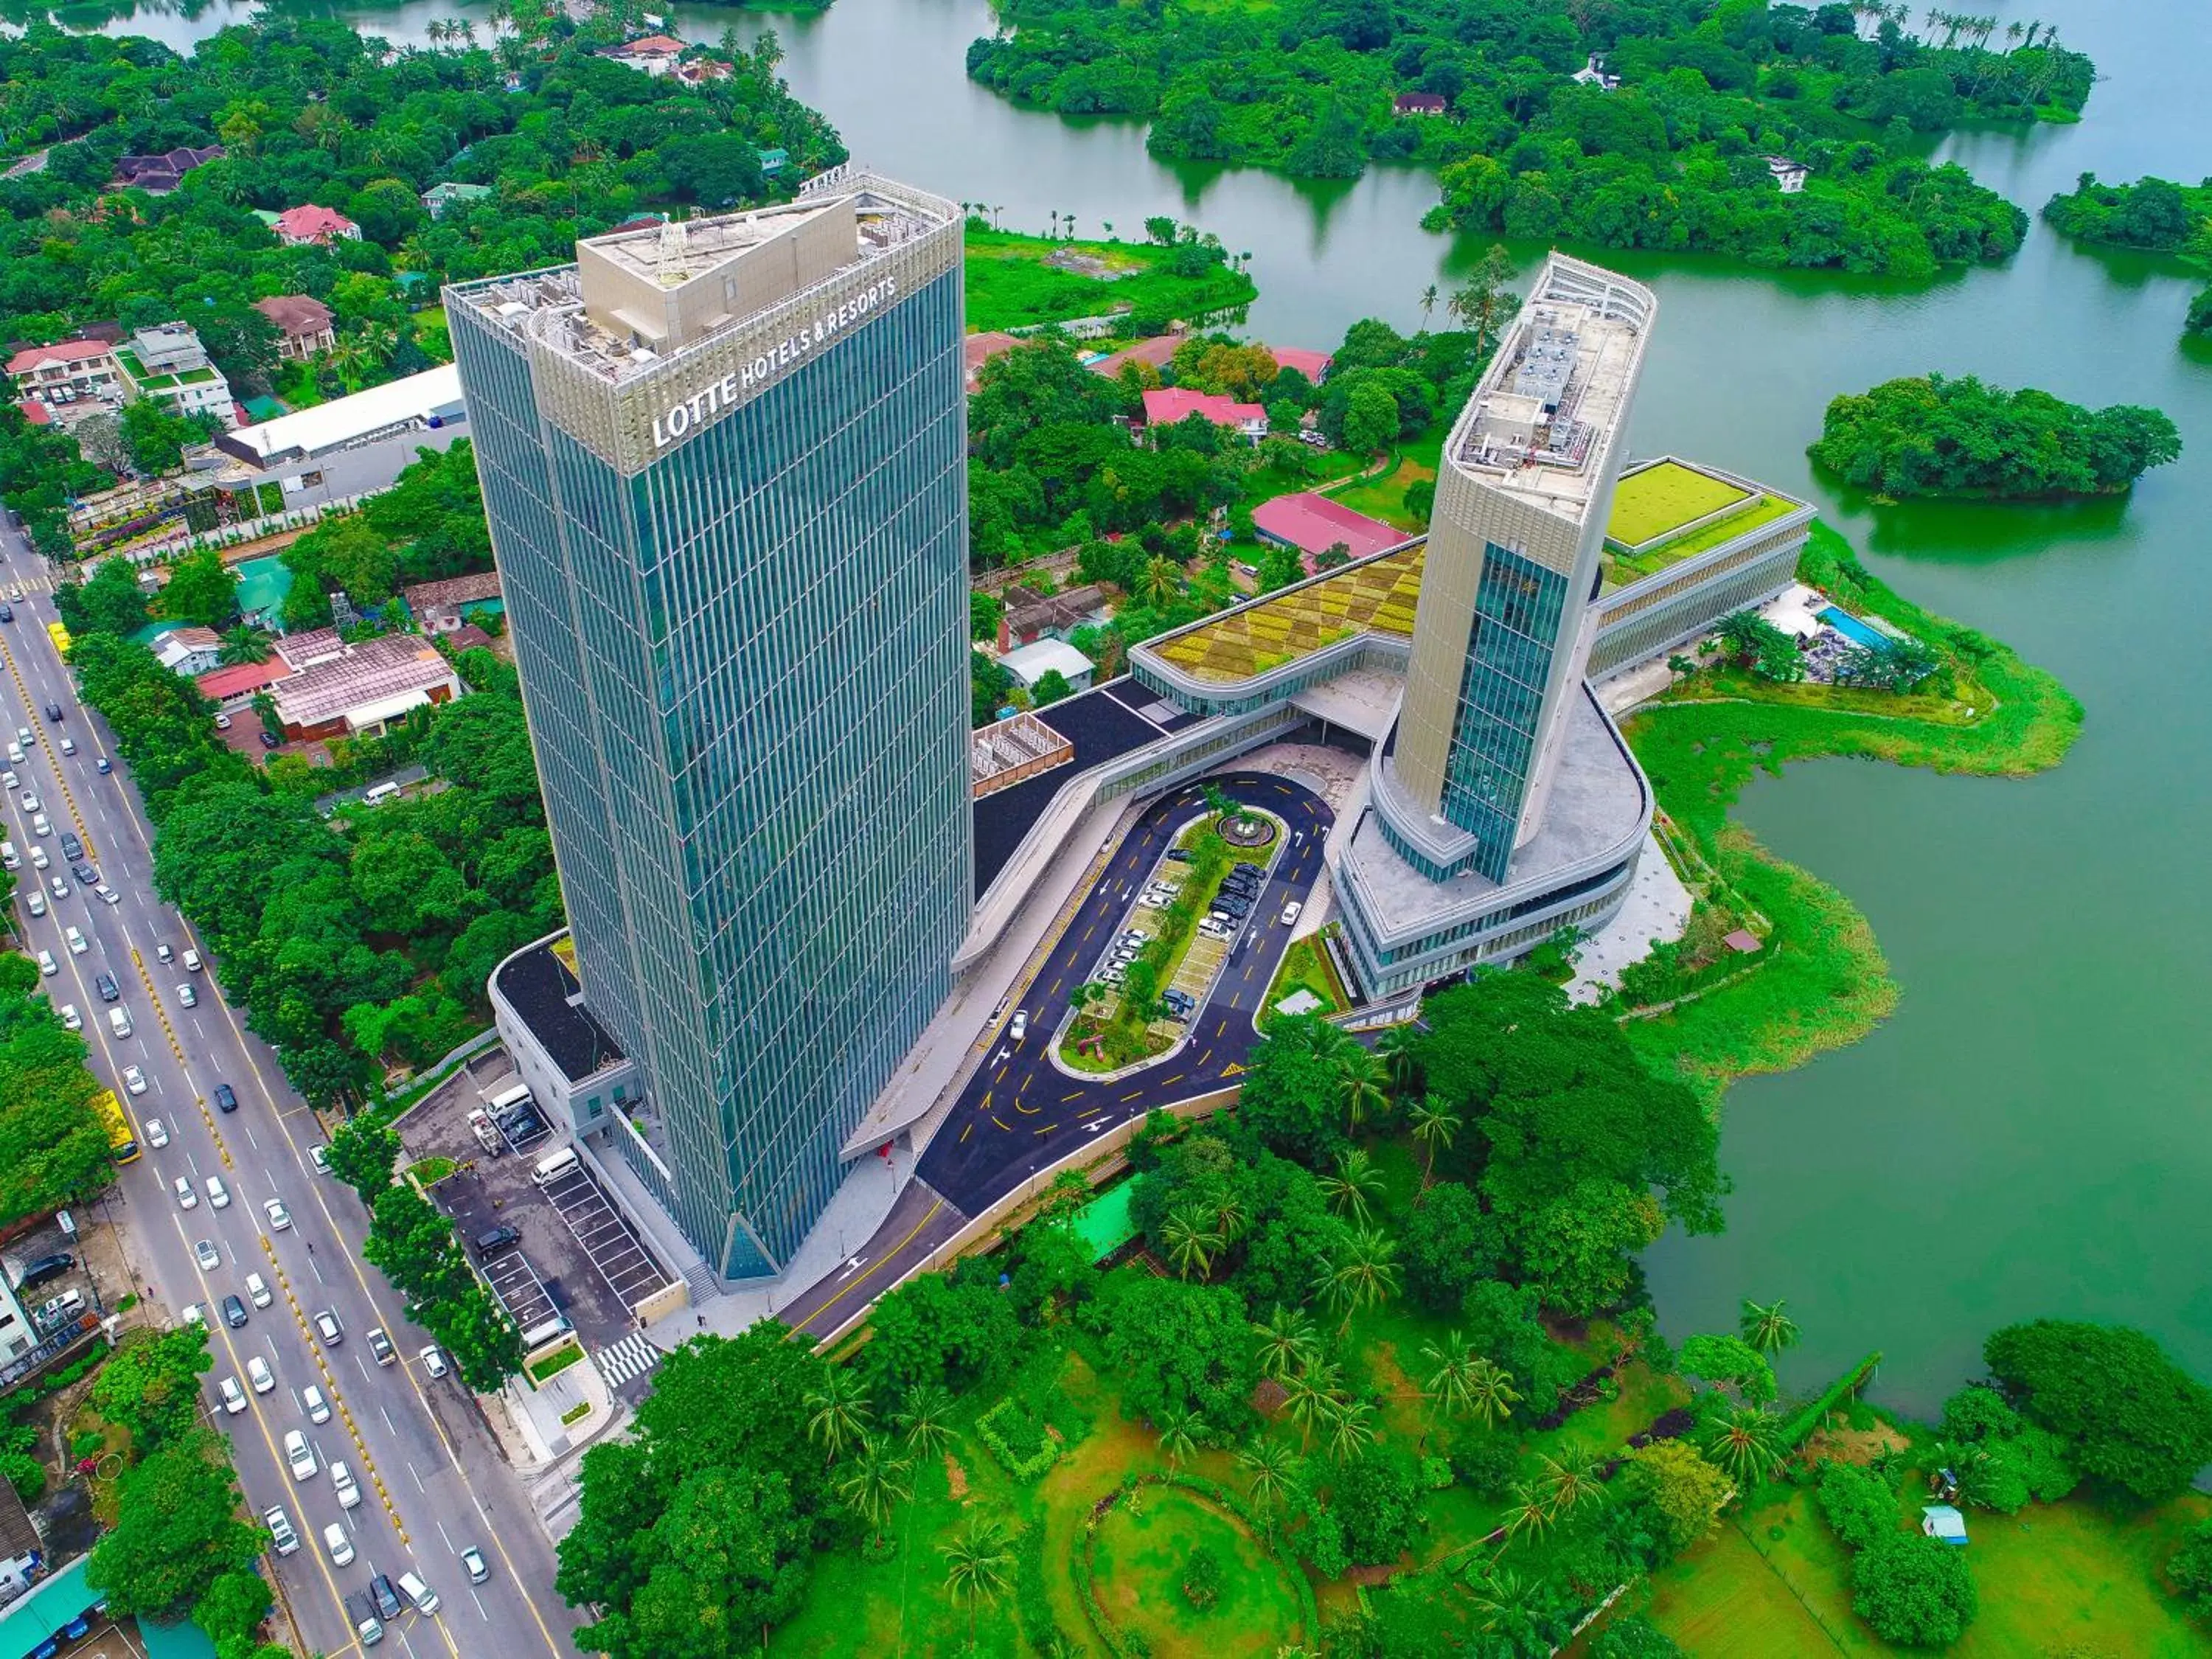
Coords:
pixel 2028 1133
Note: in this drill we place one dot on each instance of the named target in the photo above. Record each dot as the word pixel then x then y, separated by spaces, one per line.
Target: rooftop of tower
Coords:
pixel 637 298
pixel 1547 409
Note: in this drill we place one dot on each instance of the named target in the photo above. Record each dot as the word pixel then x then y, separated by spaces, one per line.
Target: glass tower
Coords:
pixel 725 468
pixel 1503 630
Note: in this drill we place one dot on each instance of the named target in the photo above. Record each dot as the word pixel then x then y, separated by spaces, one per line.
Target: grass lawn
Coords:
pixel 1011 286
pixel 1623 569
pixel 2050 1575
pixel 1826 983
pixel 1143 1546
pixel 1649 503
pixel 1306 967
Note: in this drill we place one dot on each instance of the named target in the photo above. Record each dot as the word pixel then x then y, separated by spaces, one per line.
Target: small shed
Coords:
pixel 1943 1522
pixel 1033 662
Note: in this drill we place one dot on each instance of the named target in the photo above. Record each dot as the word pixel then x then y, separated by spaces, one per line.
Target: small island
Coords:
pixel 1936 435
pixel 2154 214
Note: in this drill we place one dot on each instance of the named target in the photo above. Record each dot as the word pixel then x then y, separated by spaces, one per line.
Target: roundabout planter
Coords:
pixel 1246 831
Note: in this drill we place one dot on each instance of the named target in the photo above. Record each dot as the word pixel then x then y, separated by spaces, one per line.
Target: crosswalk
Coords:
pixel 630 1358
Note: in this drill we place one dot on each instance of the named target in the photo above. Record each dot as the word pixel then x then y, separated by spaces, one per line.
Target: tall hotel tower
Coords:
pixel 725 466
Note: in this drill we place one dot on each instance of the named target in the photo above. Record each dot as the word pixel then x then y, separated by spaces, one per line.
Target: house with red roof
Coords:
pixel 1166 405
pixel 1156 351
pixel 1313 524
pixel 653 54
pixel 1314 365
pixel 979 349
pixel 239 682
pixel 68 372
pixel 309 225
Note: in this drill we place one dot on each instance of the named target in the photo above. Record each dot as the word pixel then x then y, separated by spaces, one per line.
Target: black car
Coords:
pixel 521 1123
pixel 45 1267
pixel 72 846
pixel 1180 855
pixel 7 612
pixel 103 766
pixel 233 1312
pixel 491 1243
pixel 105 985
pixel 226 1098
pixel 85 873
pixel 269 739
pixel 387 1598
pixel 54 712
pixel 1239 908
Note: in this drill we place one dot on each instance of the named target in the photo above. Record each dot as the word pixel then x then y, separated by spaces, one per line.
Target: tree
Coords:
pixel 1356 1184
pixel 150 1385
pixel 923 1419
pixel 1376 1500
pixel 1914 1591
pixel 1364 1274
pixel 1370 419
pixel 1179 1347
pixel 1455 1366
pixel 1351 1426
pixel 876 1483
pixel 232 1609
pixel 1489 1393
pixel 723 1561
pixel 840 1410
pixel 110 602
pixel 1767 1328
pixel 1051 687
pixel 1450 1246
pixel 977 1565
pixel 1732 1362
pixel 176 1530
pixel 2189 1569
pixel 1191 1242
pixel 202 589
pixel 2127 1414
pixel 1179 1435
pixel 1682 1490
pixel 1434 1124
pixel 1286 1342
pixel 1273 1468
pixel 1361 1083
pixel 1859 1504
pixel 1744 1440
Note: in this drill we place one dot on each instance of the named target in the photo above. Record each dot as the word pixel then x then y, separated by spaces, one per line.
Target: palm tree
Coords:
pixel 1179 1432
pixel 876 1483
pixel 1532 1509
pixel 1286 1342
pixel 1351 1425
pixel 1158 582
pixel 1454 1361
pixel 1191 1243
pixel 1399 1048
pixel 840 1410
pixel 1491 1395
pixel 1359 1080
pixel 436 29
pixel 1768 1328
pixel 1742 1440
pixel 975 1566
pixel 1356 1184
pixel 1505 1600
pixel 1228 1216
pixel 1364 1276
pixel 243 644
pixel 1434 1121
pixel 922 1421
pixel 1428 303
pixel 1308 1393
pixel 1273 1466
pixel 1570 1479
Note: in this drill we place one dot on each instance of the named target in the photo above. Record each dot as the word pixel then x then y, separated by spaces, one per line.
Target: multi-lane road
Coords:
pixel 431 1478
pixel 1020 1113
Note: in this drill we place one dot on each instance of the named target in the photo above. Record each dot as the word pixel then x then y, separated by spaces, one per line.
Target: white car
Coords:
pixel 68 745
pixel 46 963
pixel 188 996
pixel 218 1194
pixel 35 902
pixel 280 1218
pixel 319 1409
pixel 222 722
pixel 233 1397
pixel 75 938
pixel 319 1156
pixel 134 1079
pixel 342 1482
pixel 300 1455
pixel 107 894
pixel 340 1546
pixel 194 1315
pixel 1290 912
pixel 192 961
pixel 39 860
pixel 204 1253
pixel 1020 1028
pixel 58 886
pixel 258 1374
pixel 187 1198
pixel 73 1021
pixel 257 1289
pixel 41 824
pixel 30 802
pixel 157 1132
pixel 433 1361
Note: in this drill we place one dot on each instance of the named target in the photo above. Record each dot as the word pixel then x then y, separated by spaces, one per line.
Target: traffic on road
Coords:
pixel 391 1509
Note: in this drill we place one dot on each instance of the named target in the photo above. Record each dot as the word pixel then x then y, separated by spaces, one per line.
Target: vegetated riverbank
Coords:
pixel 1824 982
pixel 1024 282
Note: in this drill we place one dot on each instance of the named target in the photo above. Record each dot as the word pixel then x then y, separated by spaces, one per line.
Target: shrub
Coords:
pixel 1202 1579
pixel 1914 1591
pixel 1017 1439
pixel 1976 1414
pixel 1860 1507
pixel 1484 1463
pixel 2190 1569
pixel 2126 1413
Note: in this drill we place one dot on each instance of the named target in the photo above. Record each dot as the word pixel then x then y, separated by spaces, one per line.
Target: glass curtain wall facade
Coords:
pixel 1501 702
pixel 745 667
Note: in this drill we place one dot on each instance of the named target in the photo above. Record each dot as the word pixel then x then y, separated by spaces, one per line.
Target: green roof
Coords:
pixel 1104 1222
pixel 1374 596
pixel 182 1640
pixel 47 1606
pixel 262 585
pixel 1655 501
pixel 1622 568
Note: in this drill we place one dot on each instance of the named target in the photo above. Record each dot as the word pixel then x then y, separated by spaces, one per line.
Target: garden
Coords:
pixel 1176 275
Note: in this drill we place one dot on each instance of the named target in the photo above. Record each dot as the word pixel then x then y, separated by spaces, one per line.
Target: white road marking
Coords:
pixel 317 1270
pixel 478 1600
pixel 248 1127
pixel 441 1532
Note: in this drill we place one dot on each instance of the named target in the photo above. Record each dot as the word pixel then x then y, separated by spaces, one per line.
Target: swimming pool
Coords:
pixel 1853 629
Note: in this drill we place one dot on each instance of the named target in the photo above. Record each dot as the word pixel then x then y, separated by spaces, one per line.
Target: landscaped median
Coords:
pixel 1826 983
pixel 1113 1027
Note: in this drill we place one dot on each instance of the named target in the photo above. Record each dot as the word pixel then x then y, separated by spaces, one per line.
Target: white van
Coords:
pixel 118 1022
pixel 380 793
pixel 424 1598
pixel 8 856
pixel 552 1167
pixel 508 1099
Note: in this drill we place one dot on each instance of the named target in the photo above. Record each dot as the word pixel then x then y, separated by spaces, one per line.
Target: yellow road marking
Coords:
pixel 872 1269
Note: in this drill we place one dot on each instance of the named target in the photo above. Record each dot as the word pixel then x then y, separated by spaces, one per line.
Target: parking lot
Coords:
pixel 591 1284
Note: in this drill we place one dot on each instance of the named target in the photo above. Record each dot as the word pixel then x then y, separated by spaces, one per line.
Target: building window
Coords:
pixel 592 1106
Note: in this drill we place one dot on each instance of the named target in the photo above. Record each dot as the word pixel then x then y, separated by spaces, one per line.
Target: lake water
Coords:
pixel 2028 1133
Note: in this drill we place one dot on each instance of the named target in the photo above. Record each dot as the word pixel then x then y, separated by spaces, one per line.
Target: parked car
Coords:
pixel 45 1267
pixel 319 1156
pixel 493 1240
pixel 434 1363
pixel 280 1530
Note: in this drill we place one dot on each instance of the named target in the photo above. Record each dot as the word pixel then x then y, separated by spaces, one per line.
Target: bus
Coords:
pixel 60 636
pixel 122 1140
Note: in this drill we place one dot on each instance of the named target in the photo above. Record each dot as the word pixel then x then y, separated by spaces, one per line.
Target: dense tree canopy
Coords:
pixel 1935 435
pixel 1676 158
pixel 2151 213
pixel 52 1148
pixel 2128 1415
